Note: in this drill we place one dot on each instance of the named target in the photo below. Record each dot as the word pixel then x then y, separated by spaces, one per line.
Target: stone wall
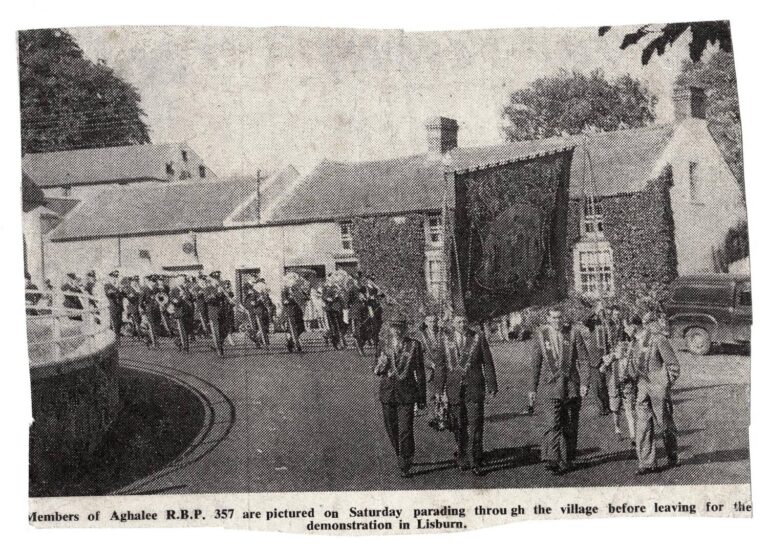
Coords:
pixel 73 404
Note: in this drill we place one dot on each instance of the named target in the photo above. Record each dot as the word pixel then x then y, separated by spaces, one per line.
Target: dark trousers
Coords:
pixel 467 421
pixel 214 318
pixel 188 319
pixel 116 322
pixel 183 336
pixel 398 422
pixel 562 433
pixel 601 390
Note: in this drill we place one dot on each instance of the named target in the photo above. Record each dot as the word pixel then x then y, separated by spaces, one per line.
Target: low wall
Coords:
pixel 73 404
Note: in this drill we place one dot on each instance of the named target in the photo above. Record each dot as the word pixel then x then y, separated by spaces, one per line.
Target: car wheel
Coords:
pixel 698 341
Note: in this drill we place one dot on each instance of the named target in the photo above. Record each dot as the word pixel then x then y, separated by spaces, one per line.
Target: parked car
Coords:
pixel 707 309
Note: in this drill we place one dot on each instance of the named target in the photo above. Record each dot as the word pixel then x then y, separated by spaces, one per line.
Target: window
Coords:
pixel 169 169
pixel 346 235
pixel 592 223
pixel 184 155
pixel 745 298
pixel 350 267
pixel 593 267
pixel 714 295
pixel 201 168
pixel 434 230
pixel 694 178
pixel 435 276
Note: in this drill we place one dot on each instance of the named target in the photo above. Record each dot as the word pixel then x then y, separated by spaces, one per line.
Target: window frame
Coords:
pixel 434 235
pixel 346 229
pixel 592 218
pixel 601 280
pixel 436 281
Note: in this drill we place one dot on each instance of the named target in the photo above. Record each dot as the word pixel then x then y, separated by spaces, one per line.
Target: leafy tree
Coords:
pixel 569 103
pixel 717 76
pixel 702 35
pixel 69 102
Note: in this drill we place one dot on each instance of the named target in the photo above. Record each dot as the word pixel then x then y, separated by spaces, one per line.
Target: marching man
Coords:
pixel 115 296
pixel 178 310
pixel 561 362
pixel 400 366
pixel 467 374
pixel 657 369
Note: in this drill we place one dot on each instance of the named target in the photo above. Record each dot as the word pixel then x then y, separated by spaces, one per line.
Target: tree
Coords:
pixel 570 103
pixel 69 102
pixel 717 76
pixel 702 35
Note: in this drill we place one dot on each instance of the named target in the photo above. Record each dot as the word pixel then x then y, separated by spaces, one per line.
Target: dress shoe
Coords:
pixel 642 471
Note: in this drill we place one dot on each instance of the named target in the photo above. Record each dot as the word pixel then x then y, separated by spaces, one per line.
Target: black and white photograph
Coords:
pixel 293 260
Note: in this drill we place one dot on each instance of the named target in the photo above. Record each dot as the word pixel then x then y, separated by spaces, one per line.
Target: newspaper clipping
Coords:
pixel 377 282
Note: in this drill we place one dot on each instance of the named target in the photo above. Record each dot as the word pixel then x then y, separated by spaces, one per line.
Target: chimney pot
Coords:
pixel 690 102
pixel 442 135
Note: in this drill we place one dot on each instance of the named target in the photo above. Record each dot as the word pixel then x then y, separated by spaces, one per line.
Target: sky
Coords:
pixel 249 99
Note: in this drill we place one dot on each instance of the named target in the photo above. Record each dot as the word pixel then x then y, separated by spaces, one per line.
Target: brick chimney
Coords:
pixel 441 135
pixel 690 102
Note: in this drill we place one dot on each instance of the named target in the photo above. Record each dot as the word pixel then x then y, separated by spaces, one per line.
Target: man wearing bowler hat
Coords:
pixel 400 365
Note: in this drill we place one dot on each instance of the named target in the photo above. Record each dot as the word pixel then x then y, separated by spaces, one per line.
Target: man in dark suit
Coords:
pixel 560 361
pixel 400 365
pixel 467 374
pixel 215 305
pixel 605 337
pixel 115 296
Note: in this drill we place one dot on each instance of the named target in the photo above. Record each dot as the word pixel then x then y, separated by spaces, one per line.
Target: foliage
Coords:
pixel 640 229
pixel 736 245
pixel 569 103
pixel 717 76
pixel 392 250
pixel 703 34
pixel 69 102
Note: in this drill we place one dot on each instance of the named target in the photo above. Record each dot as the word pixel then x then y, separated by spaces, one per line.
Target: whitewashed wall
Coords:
pixel 700 224
pixel 268 248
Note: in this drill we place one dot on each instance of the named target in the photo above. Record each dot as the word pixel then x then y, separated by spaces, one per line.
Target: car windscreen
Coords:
pixel 720 295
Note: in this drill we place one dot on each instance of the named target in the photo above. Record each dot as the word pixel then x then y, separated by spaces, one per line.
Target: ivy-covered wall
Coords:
pixel 392 248
pixel 640 229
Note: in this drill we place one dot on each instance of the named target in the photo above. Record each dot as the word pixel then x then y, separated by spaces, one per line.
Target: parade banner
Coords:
pixel 510 236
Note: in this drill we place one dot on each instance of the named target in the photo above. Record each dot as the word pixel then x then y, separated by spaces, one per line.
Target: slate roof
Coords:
pixel 137 210
pixel 170 208
pixel 623 162
pixel 31 194
pixel 130 163
pixel 61 205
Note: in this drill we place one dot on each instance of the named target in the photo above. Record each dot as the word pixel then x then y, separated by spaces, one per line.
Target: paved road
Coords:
pixel 312 422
